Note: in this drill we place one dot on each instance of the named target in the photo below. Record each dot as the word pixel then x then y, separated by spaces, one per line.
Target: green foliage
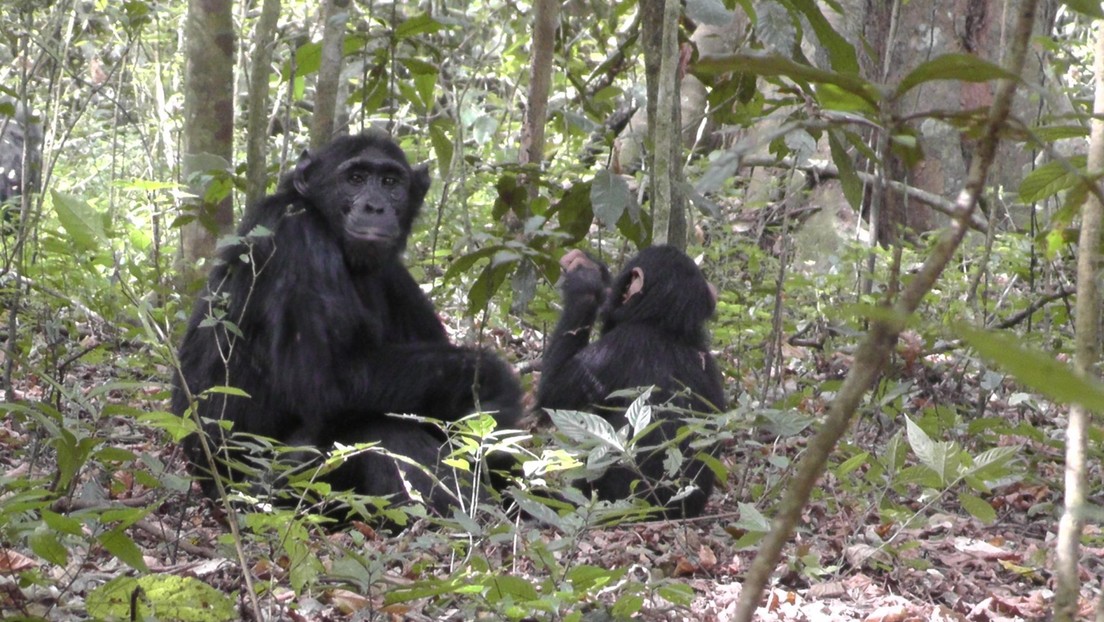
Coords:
pixel 160 597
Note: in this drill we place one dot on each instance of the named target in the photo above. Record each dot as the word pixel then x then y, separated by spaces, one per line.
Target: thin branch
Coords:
pixel 873 353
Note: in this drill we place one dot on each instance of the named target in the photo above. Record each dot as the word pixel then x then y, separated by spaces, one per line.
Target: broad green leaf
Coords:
pixel 464 264
pixel 852 463
pixel 581 426
pixel 417 25
pixel 840 52
pixel 676 593
pixel 627 606
pixel 44 542
pixel 752 519
pixel 609 197
pixel 1037 370
pixel 639 413
pixel 1050 179
pixel 774 65
pixel 962 67
pixel 586 578
pixel 977 507
pixel 160 596
pixel 81 222
pixel 849 181
pixel 502 587
pixel 121 546
pixel 937 456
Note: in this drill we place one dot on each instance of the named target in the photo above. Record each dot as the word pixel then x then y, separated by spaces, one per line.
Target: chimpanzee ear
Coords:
pixel 636 284
pixel 299 177
pixel 419 183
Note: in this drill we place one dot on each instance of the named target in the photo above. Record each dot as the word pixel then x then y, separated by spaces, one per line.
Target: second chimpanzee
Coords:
pixel 312 314
pixel 653 334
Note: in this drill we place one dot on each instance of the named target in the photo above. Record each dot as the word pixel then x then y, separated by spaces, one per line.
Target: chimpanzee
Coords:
pixel 313 315
pixel 20 160
pixel 653 334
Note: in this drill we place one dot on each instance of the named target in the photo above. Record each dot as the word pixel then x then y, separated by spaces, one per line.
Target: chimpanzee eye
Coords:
pixel 390 180
pixel 357 177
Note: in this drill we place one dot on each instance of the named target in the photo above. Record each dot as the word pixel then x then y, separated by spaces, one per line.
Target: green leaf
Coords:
pixel 121 546
pixel 586 578
pixel 963 67
pixel 840 53
pixel 417 25
pixel 977 507
pixel 937 456
pixel 751 519
pixel 679 594
pixel 581 426
pixel 1090 8
pixel 639 413
pixel 627 606
pixel 80 221
pixel 1037 370
pixel 160 596
pixel 501 587
pixel 849 181
pixel 44 542
pixel 609 197
pixel 773 65
pixel 1051 178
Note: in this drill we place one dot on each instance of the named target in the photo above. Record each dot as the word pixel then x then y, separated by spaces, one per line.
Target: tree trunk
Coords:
pixel 545 17
pixel 257 133
pixel 1068 588
pixel 323 126
pixel 661 63
pixel 208 126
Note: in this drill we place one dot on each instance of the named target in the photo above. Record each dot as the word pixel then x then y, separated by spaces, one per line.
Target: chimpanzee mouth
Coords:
pixel 370 236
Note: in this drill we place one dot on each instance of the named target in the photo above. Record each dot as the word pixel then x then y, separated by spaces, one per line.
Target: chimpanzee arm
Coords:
pixel 567 381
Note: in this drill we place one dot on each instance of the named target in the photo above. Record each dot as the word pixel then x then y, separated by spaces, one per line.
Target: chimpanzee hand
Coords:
pixel 583 277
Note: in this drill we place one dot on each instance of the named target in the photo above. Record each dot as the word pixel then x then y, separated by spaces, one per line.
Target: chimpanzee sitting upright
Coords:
pixel 313 315
pixel 653 334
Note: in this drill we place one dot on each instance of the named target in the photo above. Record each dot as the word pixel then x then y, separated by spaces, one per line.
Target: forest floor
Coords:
pixel 847 562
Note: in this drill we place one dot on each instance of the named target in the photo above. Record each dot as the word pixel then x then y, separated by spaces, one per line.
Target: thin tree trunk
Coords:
pixel 664 121
pixel 873 353
pixel 546 15
pixel 257 125
pixel 208 124
pixel 335 14
pixel 1087 325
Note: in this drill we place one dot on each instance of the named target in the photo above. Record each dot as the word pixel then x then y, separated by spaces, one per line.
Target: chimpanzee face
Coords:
pixel 369 198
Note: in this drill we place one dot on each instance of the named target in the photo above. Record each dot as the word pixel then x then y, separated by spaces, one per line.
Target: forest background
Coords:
pixel 897 202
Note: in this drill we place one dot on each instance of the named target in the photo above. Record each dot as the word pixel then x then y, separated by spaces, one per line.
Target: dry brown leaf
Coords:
pixel 348 602
pixel 12 562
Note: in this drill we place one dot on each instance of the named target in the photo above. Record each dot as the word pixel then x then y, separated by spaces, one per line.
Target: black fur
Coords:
pixel 654 335
pixel 328 332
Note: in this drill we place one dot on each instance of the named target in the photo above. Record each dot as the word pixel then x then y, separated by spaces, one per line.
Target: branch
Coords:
pixel 873 353
pixel 829 171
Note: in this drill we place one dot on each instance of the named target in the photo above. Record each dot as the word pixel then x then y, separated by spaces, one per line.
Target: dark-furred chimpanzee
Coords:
pixel 313 315
pixel 653 334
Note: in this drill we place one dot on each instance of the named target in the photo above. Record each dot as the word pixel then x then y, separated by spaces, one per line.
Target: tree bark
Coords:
pixel 661 62
pixel 335 14
pixel 257 125
pixel 1087 325
pixel 546 15
pixel 208 125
